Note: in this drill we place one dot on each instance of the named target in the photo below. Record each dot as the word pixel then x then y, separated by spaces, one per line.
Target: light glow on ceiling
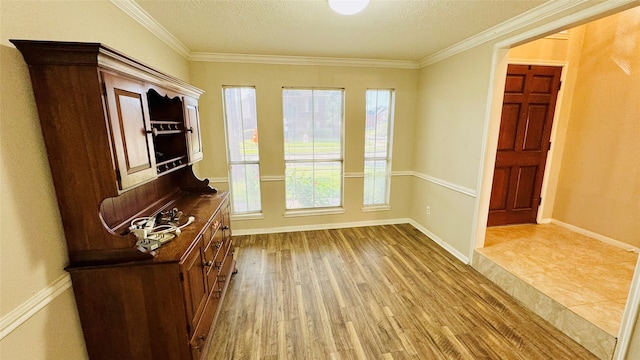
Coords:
pixel 348 7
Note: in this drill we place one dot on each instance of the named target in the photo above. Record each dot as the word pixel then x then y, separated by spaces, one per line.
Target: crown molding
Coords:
pixel 579 16
pixel 542 12
pixel 562 35
pixel 131 8
pixel 536 14
pixel 301 60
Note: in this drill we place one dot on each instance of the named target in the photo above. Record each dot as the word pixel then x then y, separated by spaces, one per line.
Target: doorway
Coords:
pixel 617 57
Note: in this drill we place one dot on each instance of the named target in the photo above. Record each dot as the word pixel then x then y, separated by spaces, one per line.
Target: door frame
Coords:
pixel 491 129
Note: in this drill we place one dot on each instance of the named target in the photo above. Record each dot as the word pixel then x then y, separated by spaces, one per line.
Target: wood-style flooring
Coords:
pixel 383 292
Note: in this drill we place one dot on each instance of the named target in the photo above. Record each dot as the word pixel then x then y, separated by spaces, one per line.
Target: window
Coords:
pixel 313 122
pixel 377 147
pixel 241 124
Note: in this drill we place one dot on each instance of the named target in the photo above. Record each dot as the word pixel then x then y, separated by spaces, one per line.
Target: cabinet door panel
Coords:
pixel 129 120
pixel 192 119
pixel 199 339
pixel 135 148
pixel 194 285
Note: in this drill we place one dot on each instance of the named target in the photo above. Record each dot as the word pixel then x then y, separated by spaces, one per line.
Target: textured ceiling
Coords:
pixel 385 30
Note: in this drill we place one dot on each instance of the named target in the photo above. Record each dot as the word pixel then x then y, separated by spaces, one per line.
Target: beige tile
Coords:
pixel 574 270
pixel 606 315
pixel 596 340
pixel 565 290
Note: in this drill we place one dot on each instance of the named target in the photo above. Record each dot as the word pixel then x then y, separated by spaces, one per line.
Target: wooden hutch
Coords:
pixel 121 139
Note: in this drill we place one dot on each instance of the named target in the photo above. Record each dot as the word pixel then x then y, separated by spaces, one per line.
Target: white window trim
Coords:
pixel 372 208
pixel 388 158
pixel 234 214
pixel 320 210
pixel 314 212
pixel 247 216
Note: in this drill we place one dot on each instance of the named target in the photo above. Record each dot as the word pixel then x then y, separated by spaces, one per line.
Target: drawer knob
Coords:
pixel 208 263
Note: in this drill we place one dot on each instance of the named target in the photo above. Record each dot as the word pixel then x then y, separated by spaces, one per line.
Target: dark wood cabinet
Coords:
pixel 121 139
pixel 164 308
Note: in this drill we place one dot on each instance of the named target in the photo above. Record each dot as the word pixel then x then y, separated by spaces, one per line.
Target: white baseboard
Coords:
pixel 422 229
pixel 596 236
pixel 26 310
pixel 460 256
pixel 282 229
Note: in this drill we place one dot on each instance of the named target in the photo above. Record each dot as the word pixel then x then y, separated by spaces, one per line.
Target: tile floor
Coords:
pixel 589 277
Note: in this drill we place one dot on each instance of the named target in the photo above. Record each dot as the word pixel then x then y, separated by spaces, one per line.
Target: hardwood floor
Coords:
pixel 383 292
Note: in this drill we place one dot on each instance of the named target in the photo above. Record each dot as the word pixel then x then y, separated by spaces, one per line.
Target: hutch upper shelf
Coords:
pixel 121 139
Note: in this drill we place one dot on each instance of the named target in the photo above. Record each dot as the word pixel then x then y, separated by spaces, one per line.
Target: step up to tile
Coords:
pixel 596 340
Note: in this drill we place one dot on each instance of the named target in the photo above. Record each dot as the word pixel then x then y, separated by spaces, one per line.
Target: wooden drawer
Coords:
pixel 218 243
pixel 225 261
pixel 211 247
pixel 199 341
pixel 212 227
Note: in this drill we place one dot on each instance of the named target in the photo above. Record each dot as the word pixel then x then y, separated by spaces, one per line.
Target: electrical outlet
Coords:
pixel 428 210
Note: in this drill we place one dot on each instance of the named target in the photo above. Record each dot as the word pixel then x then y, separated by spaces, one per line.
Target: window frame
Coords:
pixel 387 158
pixel 310 211
pixel 230 163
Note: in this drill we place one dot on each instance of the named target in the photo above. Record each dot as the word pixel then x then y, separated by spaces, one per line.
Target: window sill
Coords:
pixel 376 208
pixel 253 216
pixel 314 212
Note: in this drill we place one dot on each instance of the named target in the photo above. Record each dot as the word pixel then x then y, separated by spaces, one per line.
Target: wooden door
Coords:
pixel 527 116
pixel 130 130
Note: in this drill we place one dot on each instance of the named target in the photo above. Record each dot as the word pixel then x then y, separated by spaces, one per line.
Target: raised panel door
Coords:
pixel 194 285
pixel 130 130
pixel 525 128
